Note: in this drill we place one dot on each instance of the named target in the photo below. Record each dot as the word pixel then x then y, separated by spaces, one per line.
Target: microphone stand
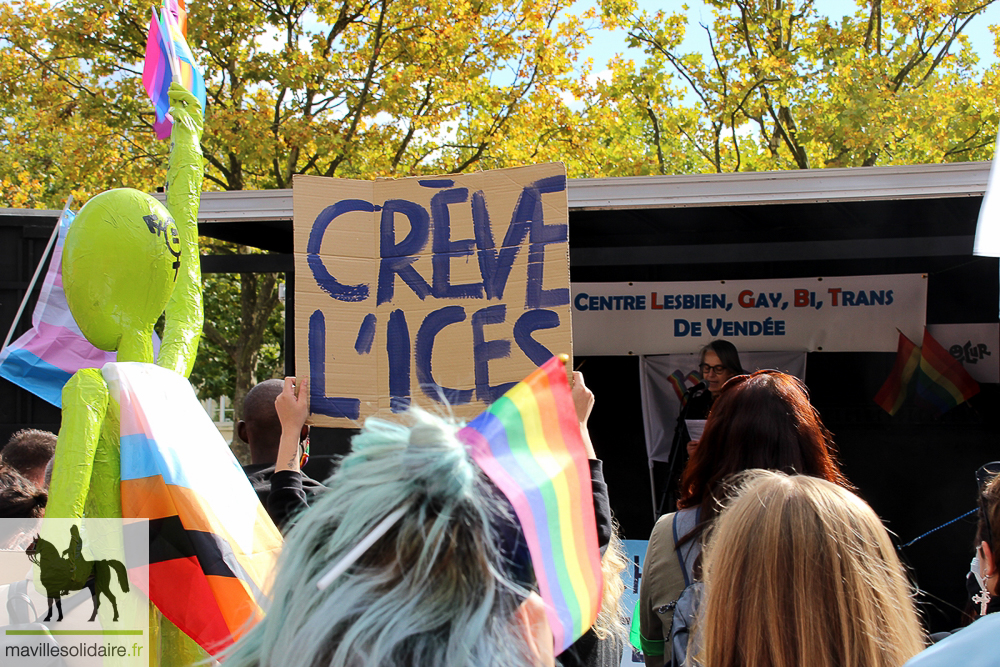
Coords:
pixel 678 458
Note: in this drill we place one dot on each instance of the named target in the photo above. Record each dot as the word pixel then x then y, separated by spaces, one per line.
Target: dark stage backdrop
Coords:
pixel 916 470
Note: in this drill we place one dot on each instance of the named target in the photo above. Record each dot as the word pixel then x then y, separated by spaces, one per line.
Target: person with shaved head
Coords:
pixel 260 428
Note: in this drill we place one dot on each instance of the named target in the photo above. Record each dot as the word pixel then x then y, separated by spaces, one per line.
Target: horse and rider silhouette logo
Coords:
pixel 68 571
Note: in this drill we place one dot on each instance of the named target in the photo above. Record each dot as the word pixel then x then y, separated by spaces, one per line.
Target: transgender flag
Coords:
pixel 46 356
pixel 528 442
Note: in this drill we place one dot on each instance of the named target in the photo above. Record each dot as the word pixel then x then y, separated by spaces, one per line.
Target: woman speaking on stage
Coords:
pixel 720 361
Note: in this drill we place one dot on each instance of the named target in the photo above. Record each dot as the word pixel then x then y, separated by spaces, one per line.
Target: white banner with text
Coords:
pixel 840 314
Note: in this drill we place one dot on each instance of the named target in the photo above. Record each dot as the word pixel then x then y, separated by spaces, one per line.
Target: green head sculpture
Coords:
pixel 120 262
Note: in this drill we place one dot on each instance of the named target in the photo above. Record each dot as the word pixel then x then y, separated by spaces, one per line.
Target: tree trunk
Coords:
pixel 244 381
pixel 258 298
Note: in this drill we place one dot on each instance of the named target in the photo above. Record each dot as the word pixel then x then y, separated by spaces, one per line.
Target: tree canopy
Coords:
pixel 355 88
pixel 782 87
pixel 369 88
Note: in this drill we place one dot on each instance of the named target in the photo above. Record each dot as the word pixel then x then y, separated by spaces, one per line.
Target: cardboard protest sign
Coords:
pixel 428 290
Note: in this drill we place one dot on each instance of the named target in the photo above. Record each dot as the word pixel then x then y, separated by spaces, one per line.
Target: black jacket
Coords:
pixel 288 486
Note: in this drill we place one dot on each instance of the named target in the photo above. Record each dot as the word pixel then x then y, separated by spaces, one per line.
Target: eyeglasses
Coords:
pixel 984 475
pixel 718 370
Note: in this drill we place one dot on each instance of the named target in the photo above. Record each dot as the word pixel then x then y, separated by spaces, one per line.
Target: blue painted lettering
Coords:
pixel 325 280
pixel 398 258
pixel 398 348
pixel 319 402
pixel 445 249
pixel 484 351
pixel 424 347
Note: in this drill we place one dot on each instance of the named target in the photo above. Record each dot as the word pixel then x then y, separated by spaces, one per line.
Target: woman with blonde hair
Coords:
pixel 799 571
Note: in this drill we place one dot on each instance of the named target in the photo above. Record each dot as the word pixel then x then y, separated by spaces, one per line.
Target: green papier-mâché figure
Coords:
pixel 126 258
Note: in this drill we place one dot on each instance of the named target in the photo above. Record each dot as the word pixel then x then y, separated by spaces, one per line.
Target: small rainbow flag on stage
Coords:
pixel 169 58
pixel 942 381
pixel 207 528
pixel 896 387
pixel 528 442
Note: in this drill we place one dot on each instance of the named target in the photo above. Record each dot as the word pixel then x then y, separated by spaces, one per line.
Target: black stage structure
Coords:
pixel 915 469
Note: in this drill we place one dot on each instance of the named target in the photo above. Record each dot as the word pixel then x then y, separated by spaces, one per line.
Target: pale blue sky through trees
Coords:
pixel 606 43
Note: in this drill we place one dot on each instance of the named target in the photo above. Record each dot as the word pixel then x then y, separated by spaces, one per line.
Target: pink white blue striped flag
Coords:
pixel 187 68
pixel 156 77
pixel 44 358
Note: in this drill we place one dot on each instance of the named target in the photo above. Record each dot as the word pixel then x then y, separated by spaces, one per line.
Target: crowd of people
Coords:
pixel 770 560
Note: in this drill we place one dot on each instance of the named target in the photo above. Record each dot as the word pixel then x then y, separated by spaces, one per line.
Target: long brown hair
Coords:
pixel 988 525
pixel 761 420
pixel 799 571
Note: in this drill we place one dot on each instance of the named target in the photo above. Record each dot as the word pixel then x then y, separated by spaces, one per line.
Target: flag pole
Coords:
pixel 174 66
pixel 38 271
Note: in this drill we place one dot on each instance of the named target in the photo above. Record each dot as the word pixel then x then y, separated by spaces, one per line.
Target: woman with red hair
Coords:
pixel 761 420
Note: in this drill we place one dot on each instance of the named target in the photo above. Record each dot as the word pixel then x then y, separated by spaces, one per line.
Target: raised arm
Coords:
pixel 583 401
pixel 184 312
pixel 292 406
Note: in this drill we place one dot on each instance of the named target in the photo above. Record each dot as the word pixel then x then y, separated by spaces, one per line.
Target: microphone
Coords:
pixel 701 386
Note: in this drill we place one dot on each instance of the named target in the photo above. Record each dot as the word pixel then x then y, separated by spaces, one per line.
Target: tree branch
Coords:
pixel 217 338
pixel 366 88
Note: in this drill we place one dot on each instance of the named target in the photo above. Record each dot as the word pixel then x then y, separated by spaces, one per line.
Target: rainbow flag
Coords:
pixel 156 77
pixel 190 76
pixel 207 528
pixel 44 358
pixel 166 36
pixel 896 387
pixel 179 13
pixel 678 381
pixel 942 381
pixel 528 442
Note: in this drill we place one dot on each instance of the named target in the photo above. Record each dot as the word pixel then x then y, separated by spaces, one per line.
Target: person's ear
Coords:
pixel 537 632
pixel 241 431
pixel 987 566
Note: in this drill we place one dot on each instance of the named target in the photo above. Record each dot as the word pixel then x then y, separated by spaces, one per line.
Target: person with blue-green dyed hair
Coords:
pixel 449 584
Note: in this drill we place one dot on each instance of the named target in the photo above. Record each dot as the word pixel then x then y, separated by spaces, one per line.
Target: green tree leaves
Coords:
pixel 783 87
